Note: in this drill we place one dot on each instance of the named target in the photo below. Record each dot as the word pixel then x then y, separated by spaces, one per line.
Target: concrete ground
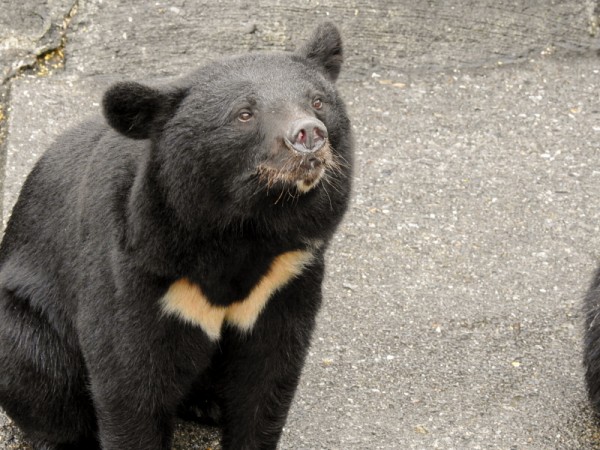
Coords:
pixel 452 303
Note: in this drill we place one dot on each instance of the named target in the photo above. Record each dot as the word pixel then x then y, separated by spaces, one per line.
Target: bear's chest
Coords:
pixel 189 302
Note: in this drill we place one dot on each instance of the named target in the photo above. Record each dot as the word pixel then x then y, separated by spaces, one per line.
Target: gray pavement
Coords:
pixel 452 302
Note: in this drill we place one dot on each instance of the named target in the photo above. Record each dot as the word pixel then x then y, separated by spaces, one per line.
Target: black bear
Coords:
pixel 172 255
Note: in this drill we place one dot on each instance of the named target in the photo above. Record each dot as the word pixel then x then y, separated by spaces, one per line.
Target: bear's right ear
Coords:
pixel 135 110
pixel 324 49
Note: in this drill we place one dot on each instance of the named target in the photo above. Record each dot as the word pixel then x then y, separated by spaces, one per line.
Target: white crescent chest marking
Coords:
pixel 186 300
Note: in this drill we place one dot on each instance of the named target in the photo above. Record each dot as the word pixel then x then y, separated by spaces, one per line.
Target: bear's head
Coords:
pixel 248 137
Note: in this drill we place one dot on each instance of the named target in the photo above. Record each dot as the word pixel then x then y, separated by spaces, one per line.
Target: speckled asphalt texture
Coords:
pixel 452 302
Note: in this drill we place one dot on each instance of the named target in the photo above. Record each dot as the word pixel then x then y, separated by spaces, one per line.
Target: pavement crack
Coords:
pixel 48 57
pixel 50 54
pixel 54 58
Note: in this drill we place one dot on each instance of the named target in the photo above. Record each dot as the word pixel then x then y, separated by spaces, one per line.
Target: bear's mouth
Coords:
pixel 292 168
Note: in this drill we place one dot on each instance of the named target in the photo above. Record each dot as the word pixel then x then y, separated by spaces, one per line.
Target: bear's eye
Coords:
pixel 244 116
pixel 317 103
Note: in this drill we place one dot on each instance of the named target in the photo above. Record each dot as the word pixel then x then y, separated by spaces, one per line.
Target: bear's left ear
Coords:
pixel 135 110
pixel 324 49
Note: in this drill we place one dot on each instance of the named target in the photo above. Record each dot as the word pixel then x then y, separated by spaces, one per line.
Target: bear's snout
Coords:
pixel 306 135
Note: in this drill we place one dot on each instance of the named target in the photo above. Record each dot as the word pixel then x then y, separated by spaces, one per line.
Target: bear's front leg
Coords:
pixel 258 371
pixel 141 364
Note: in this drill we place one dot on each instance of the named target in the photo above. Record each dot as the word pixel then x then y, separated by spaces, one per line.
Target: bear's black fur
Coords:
pixel 173 257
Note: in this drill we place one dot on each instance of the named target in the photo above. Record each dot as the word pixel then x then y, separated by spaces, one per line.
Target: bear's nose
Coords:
pixel 307 134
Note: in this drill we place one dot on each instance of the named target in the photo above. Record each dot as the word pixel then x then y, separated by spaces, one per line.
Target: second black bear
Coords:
pixel 173 254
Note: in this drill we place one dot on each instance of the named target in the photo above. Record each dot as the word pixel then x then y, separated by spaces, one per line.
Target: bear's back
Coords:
pixel 85 167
